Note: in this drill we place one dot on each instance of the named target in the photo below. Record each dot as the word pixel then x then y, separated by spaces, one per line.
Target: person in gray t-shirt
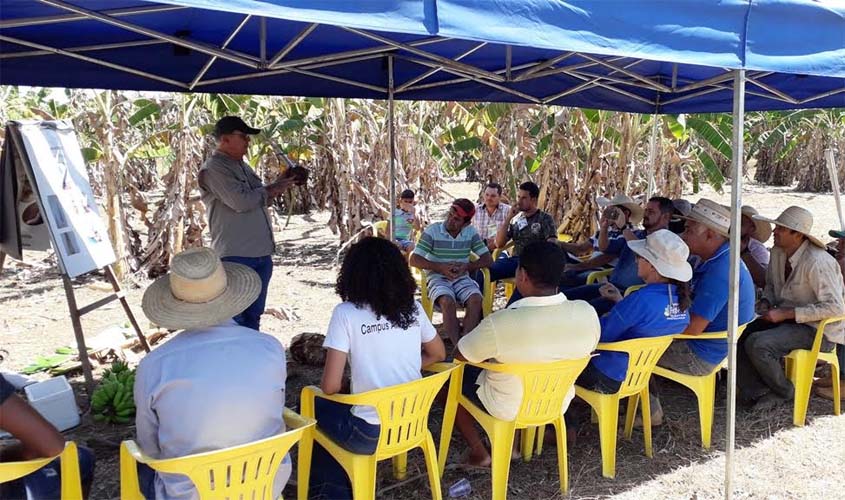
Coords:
pixel 236 201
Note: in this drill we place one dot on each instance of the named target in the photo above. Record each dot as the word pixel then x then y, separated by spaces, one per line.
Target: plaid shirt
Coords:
pixel 486 224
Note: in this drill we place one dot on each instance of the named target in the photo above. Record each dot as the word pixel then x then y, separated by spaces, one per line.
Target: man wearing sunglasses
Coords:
pixel 236 201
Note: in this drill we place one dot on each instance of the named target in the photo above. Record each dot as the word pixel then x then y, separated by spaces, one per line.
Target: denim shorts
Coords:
pixel 460 290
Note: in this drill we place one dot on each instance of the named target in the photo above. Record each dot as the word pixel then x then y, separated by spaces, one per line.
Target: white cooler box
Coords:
pixel 54 400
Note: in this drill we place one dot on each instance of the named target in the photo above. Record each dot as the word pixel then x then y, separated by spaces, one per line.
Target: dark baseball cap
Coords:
pixel 229 124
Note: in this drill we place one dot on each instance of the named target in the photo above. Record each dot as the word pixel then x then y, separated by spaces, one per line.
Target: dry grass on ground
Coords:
pixel 774 459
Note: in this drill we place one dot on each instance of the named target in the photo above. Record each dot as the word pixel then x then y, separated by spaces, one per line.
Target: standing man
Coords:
pixel 490 215
pixel 237 201
pixel 803 287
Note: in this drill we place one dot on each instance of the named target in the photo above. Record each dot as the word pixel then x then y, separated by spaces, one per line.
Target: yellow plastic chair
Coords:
pixel 71 488
pixel 703 386
pixel 631 289
pixel 643 354
pixel 563 237
pixel 245 471
pixel 486 292
pixel 545 386
pixel 598 276
pixel 403 412
pixel 508 282
pixel 800 366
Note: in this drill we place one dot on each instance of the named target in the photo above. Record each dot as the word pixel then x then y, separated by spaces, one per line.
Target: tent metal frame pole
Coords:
pixel 541 66
pixel 830 159
pixel 733 288
pixel 381 49
pixel 431 72
pixel 574 67
pixel 84 48
pixel 454 81
pixel 275 72
pixel 64 18
pixel 392 137
pixel 292 44
pixel 654 85
pixel 212 59
pixel 652 156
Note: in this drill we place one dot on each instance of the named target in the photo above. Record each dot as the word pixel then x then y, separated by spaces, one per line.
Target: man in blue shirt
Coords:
pixel 706 234
pixel 657 214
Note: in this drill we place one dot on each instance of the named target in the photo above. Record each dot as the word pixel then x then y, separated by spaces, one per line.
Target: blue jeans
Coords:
pixel 840 353
pixel 251 317
pixel 46 482
pixel 328 479
pixel 503 267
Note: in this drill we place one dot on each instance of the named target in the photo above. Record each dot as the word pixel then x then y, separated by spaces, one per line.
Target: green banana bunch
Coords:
pixel 113 401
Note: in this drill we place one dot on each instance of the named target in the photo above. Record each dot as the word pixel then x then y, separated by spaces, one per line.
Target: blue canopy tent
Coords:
pixel 646 56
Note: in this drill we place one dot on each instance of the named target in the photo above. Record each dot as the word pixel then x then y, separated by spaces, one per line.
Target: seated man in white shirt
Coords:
pixel 212 386
pixel 543 326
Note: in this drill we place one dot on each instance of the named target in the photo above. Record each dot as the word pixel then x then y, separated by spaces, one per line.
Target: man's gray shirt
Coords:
pixel 237 208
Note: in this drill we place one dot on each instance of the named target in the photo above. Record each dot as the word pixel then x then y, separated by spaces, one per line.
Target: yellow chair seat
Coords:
pixel 71 487
pixel 249 469
pixel 598 276
pixel 800 367
pixel 403 412
pixel 643 354
pixel 703 386
pixel 545 385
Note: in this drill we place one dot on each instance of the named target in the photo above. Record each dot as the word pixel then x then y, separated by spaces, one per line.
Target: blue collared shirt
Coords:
pixel 625 272
pixel 710 301
pixel 651 311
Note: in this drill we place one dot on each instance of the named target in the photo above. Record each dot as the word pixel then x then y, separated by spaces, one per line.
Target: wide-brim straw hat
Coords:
pixel 667 252
pixel 795 218
pixel 762 229
pixel 712 215
pixel 200 291
pixel 620 200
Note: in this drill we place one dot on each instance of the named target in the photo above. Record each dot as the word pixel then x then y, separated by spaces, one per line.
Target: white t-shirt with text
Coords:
pixel 380 354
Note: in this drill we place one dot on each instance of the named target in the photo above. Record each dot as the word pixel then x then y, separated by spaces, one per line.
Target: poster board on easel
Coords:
pixel 42 167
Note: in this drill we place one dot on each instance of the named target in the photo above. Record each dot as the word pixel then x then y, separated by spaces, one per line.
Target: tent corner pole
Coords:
pixel 737 162
pixel 392 138
pixel 652 153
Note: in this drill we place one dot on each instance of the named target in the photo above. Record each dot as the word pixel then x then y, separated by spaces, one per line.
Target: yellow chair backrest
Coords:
pixel 544 385
pixel 643 354
pixel 817 343
pixel 71 487
pixel 402 410
pixel 245 471
pixel 631 289
pixel 380 229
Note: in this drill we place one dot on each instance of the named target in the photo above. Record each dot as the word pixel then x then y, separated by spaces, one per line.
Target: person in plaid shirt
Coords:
pixel 490 215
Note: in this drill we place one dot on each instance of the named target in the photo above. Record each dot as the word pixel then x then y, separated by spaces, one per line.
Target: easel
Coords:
pixel 77 312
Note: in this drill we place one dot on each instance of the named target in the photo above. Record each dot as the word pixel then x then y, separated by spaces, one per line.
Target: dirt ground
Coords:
pixel 774 460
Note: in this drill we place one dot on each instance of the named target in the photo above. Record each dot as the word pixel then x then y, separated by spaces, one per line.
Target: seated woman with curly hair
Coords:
pixel 386 337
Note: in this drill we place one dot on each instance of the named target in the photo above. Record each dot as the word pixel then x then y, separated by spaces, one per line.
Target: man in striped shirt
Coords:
pixel 444 252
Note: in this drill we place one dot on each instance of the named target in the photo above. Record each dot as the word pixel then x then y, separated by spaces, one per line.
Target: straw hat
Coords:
pixel 712 215
pixel 667 252
pixel 762 229
pixel 620 200
pixel 797 219
pixel 199 291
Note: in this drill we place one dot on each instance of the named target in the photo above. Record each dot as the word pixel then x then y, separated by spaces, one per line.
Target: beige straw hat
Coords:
pixel 797 219
pixel 712 215
pixel 626 201
pixel 667 252
pixel 762 229
pixel 199 291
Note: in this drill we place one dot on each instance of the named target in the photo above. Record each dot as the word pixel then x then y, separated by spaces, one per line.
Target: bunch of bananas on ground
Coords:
pixel 113 402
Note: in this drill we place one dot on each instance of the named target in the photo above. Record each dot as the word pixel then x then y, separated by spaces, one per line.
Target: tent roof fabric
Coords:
pixel 647 56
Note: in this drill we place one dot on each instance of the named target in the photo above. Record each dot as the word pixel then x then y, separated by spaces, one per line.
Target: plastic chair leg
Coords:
pixel 449 412
pixel 400 466
pixel 706 395
pixel 303 466
pixel 563 467
pixel 501 441
pixel 527 442
pixel 362 476
pixel 834 375
pixel 541 435
pixel 630 414
pixel 430 454
pixel 803 383
pixel 608 426
pixel 646 413
pixel 69 466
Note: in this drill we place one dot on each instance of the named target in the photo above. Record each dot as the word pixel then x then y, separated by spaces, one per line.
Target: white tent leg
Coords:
pixel 392 133
pixel 834 184
pixel 652 157
pixel 733 290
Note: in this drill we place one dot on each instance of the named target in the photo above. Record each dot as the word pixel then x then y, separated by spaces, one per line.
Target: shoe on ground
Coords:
pixel 656 419
pixel 827 392
pixel 769 402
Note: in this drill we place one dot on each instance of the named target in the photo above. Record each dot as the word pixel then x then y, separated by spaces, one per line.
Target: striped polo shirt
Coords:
pixel 437 245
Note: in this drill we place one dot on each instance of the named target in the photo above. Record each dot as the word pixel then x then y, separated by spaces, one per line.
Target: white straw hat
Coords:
pixel 626 201
pixel 795 218
pixel 762 229
pixel 712 215
pixel 667 252
pixel 199 291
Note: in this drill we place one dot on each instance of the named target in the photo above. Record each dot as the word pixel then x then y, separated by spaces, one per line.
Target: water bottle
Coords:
pixel 460 489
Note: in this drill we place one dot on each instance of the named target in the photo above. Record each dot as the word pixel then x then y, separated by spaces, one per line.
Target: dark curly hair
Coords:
pixel 375 274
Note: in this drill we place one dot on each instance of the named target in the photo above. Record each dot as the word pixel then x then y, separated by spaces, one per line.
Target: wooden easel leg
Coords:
pixel 116 285
pixel 80 338
pixel 2 260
